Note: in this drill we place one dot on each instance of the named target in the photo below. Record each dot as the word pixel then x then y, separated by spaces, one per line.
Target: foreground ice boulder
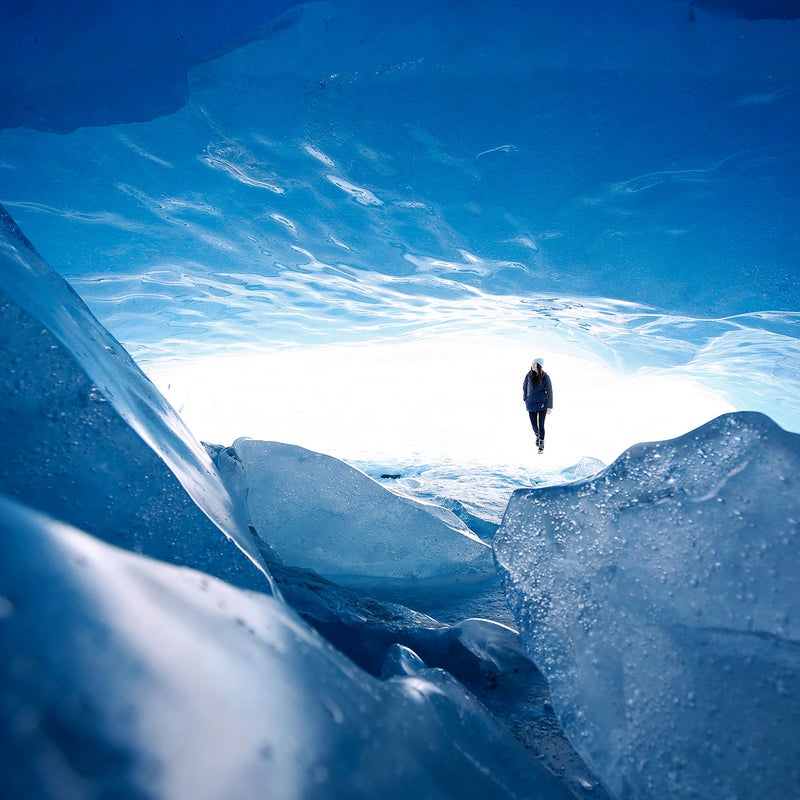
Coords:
pixel 317 512
pixel 662 601
pixel 122 676
pixel 90 440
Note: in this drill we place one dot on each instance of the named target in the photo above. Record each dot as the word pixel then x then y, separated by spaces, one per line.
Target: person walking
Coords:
pixel 537 392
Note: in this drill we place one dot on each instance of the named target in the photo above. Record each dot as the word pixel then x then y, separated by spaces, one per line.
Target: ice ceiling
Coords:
pixel 618 181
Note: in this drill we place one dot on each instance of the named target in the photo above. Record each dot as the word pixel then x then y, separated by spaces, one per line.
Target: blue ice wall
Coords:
pixel 324 171
pixel 103 62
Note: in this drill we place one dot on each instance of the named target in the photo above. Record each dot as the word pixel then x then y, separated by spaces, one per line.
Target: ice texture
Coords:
pixel 310 174
pixel 658 598
pixel 92 440
pixel 123 676
pixel 347 140
pixel 316 511
pixel 661 599
pixel 388 639
pixel 128 668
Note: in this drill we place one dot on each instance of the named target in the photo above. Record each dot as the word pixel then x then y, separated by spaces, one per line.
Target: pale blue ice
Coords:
pixel 387 592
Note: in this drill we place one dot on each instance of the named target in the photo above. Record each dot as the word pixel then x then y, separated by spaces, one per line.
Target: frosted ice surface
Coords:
pixel 317 512
pixel 91 441
pixel 662 601
pixel 128 677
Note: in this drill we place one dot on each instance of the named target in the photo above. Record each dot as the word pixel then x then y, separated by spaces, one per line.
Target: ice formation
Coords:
pixel 95 444
pixel 634 592
pixel 662 601
pixel 125 671
pixel 125 676
pixel 617 182
pixel 317 512
pixel 614 182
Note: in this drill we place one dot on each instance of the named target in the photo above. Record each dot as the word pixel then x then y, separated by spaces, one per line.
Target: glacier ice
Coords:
pixel 620 179
pixel 94 443
pixel 125 676
pixel 317 512
pixel 617 179
pixel 486 657
pixel 634 591
pixel 504 158
pixel 40 90
pixel 129 671
pixel 661 599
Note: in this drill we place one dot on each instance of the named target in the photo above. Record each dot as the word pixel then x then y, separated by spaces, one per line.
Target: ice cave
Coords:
pixel 274 520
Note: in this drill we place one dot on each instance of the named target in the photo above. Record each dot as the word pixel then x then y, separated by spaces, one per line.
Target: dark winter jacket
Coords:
pixel 537 398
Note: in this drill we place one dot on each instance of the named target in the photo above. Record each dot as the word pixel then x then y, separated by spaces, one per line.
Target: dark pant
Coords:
pixel 537 421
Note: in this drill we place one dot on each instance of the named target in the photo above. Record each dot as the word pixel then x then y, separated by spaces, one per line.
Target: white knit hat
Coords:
pixel 539 361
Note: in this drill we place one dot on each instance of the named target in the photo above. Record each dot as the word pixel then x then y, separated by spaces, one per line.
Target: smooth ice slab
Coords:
pixel 122 676
pixel 90 439
pixel 662 601
pixel 317 512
